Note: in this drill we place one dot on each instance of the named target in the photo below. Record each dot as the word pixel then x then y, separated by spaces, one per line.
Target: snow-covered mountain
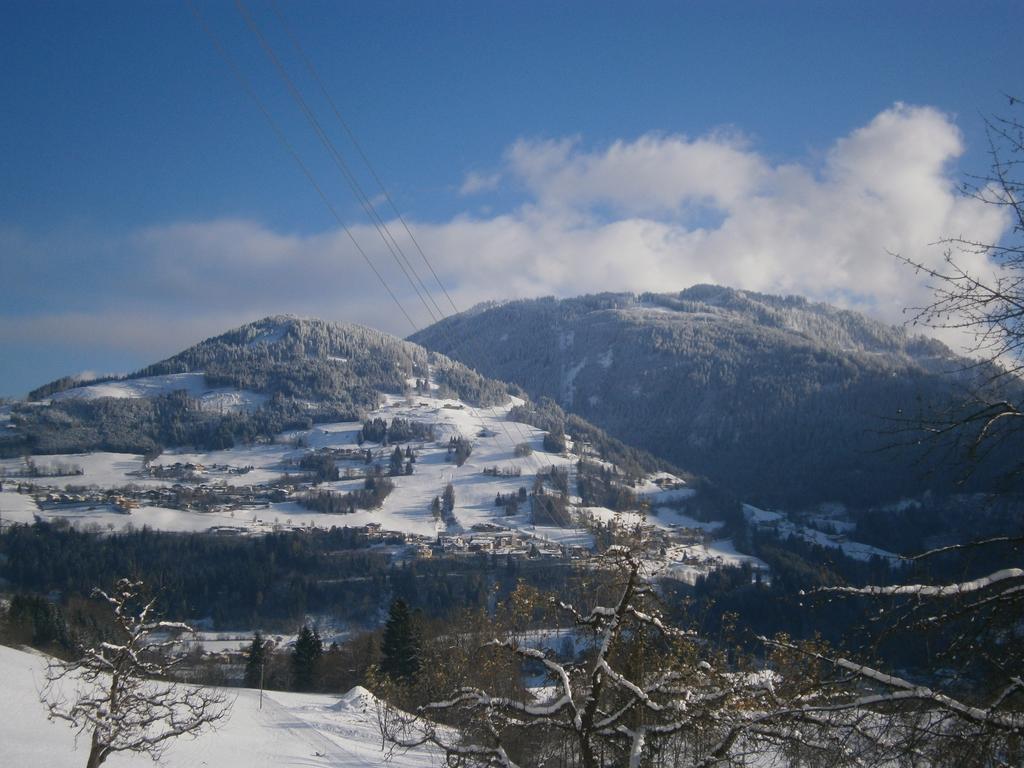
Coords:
pixel 253 381
pixel 243 420
pixel 783 400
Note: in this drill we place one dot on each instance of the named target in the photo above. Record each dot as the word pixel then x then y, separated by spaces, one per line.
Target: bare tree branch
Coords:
pixel 118 692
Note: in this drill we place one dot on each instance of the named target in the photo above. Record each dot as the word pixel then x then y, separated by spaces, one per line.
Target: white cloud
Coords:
pixel 654 174
pixel 663 212
pixel 475 182
pixel 658 213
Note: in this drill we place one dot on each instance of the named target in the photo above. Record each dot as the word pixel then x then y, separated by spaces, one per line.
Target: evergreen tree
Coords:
pixel 448 500
pixel 397 463
pixel 400 647
pixel 256 658
pixel 35 621
pixel 306 658
pixel 554 441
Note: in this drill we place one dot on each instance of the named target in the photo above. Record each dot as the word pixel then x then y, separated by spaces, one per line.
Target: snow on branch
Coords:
pixel 118 693
pixel 897 689
pixel 927 590
pixel 642 686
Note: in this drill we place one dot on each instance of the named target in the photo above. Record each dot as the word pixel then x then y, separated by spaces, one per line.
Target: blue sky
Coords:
pixel 536 148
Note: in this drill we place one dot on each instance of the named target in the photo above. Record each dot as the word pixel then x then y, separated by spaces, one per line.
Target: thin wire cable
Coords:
pixel 315 123
pixel 279 133
pixel 244 82
pixel 315 74
pixel 382 229
pixel 357 189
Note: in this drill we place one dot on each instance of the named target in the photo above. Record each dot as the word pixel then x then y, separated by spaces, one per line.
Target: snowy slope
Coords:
pixel 313 731
pixel 784 528
pixel 221 399
pixel 407 509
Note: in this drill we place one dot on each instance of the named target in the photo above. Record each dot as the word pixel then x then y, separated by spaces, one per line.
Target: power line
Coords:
pixel 314 73
pixel 382 229
pixel 368 206
pixel 311 117
pixel 240 76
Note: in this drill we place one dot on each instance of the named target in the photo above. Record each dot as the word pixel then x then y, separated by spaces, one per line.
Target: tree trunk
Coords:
pixel 97 752
pixel 587 753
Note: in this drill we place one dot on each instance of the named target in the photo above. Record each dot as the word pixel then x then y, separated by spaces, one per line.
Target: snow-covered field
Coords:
pixel 17 508
pixel 211 399
pixel 688 561
pixel 665 518
pixel 292 729
pixel 784 528
pixel 407 509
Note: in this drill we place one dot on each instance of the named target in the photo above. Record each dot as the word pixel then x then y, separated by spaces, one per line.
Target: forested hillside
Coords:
pixel 301 371
pixel 788 402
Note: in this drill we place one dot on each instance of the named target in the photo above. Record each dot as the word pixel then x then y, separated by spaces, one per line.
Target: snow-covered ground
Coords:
pixel 407 508
pixel 292 729
pixel 665 518
pixel 17 508
pixel 784 528
pixel 688 561
pixel 102 469
pixel 210 398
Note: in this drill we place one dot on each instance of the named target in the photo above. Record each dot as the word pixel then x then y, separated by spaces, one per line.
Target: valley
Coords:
pixel 248 490
pixel 292 478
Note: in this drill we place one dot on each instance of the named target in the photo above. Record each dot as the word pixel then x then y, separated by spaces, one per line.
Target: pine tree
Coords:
pixel 400 647
pixel 306 657
pixel 397 463
pixel 256 658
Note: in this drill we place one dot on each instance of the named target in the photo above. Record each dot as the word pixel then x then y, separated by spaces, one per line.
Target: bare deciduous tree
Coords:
pixel 979 617
pixel 643 693
pixel 985 305
pixel 953 718
pixel 119 693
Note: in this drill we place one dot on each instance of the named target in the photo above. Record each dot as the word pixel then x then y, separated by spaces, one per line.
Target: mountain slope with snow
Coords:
pixel 785 401
pixel 254 381
pixel 291 729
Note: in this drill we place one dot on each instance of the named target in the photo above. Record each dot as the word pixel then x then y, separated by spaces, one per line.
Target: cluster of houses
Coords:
pixel 188 471
pixel 194 491
pixel 49 499
pixel 201 498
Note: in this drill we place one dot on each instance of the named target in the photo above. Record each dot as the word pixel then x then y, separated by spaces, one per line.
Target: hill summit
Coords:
pixel 277 373
pixel 785 400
